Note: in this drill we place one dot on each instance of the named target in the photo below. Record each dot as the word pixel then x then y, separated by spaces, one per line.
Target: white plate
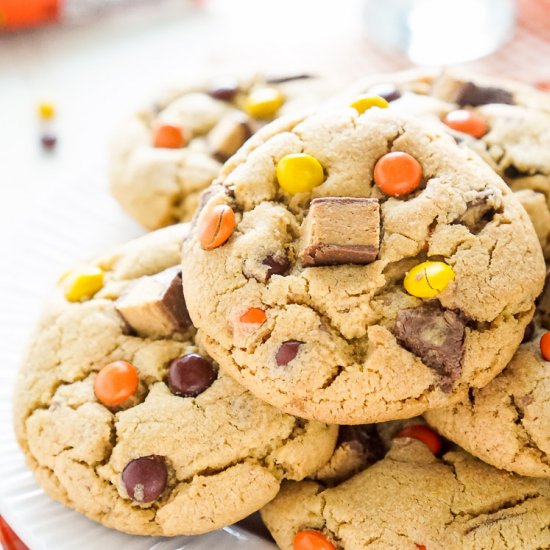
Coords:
pixel 72 223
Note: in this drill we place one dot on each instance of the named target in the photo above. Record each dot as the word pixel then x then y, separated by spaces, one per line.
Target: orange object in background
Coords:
pixel 17 14
pixel 8 539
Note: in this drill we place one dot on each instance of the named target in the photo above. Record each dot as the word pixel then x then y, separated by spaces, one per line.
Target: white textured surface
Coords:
pixel 71 223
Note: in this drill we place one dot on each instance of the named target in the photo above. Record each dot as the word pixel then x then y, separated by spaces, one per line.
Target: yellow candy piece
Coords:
pixel 264 102
pixel 361 104
pixel 46 110
pixel 428 279
pixel 82 283
pixel 299 173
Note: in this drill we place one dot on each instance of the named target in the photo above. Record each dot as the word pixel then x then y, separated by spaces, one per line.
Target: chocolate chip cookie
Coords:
pixel 413 500
pixel 167 153
pixel 123 416
pixel 507 423
pixel 355 268
pixel 506 123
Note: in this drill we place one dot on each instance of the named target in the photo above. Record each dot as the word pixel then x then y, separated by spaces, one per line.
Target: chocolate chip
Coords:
pixel 365 439
pixel 287 352
pixel 276 265
pixel 529 333
pixel 145 478
pixel 511 172
pixel 154 305
pixel 190 375
pixel 290 78
pixel 341 230
pixel 436 336
pixel 390 92
pixel 471 94
pixel 225 91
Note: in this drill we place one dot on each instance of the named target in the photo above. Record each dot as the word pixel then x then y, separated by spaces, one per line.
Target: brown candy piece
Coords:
pixel 390 92
pixel 154 305
pixel 145 478
pixel 224 91
pixel 228 135
pixel 287 352
pixel 190 375
pixel 341 230
pixel 474 95
pixel 436 336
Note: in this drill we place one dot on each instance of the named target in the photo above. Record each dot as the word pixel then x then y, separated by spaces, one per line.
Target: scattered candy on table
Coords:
pixel 428 279
pixel 397 173
pixel 299 173
pixel 467 122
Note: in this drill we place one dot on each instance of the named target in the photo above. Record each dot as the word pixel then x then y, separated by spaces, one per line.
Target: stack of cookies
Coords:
pixel 345 271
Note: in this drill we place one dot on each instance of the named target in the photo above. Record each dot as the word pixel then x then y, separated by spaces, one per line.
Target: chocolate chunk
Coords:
pixel 145 478
pixel 190 375
pixel 529 333
pixel 290 78
pixel 471 94
pixel 365 439
pixel 225 91
pixel 341 230
pixel 154 305
pixel 228 135
pixel 543 305
pixel 436 336
pixel 390 92
pixel 481 210
pixel 287 352
pixel 276 265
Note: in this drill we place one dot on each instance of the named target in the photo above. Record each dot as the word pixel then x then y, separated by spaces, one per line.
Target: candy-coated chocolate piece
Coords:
pixel 390 92
pixel 545 346
pixel 216 225
pixel 154 305
pixel 167 136
pixel 145 478
pixel 48 141
pixel 253 315
pixel 115 383
pixel 46 110
pixel 361 104
pixel 190 375
pixel 341 230
pixel 299 173
pixel 287 352
pixel 312 540
pixel 428 279
pixel 83 283
pixel 224 91
pixel 264 102
pixel 424 434
pixel 467 122
pixel 397 173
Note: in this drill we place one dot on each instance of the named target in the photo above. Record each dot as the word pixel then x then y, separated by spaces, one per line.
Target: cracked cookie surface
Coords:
pixel 506 423
pixel 337 342
pixel 157 179
pixel 515 141
pixel 184 453
pixel 411 499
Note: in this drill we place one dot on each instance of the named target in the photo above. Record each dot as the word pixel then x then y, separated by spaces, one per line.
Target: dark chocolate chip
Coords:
pixel 471 94
pixel 529 333
pixel 190 375
pixel 287 352
pixel 390 92
pixel 225 91
pixel 276 265
pixel 511 172
pixel 365 439
pixel 145 478
pixel 290 78
pixel 436 336
pixel 49 141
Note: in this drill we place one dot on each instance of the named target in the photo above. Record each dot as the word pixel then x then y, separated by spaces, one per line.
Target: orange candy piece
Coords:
pixel 116 382
pixel 397 173
pixel 253 315
pixel 216 225
pixel 545 346
pixel 312 540
pixel 168 137
pixel 424 434
pixel 421 547
pixel 467 122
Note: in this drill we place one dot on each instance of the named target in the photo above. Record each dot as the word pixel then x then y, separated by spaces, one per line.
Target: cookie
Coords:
pixel 123 416
pixel 356 268
pixel 413 500
pixel 506 424
pixel 506 123
pixel 167 153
